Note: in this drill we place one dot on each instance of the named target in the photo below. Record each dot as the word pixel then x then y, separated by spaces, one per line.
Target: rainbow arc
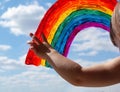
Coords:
pixel 66 18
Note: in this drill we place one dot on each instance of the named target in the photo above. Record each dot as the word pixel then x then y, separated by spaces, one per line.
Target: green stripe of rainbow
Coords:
pixel 66 18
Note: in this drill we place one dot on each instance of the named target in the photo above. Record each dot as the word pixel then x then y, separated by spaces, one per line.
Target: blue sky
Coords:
pixel 20 17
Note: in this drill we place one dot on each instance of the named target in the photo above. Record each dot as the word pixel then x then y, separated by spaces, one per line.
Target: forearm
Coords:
pixel 94 76
pixel 99 76
pixel 66 68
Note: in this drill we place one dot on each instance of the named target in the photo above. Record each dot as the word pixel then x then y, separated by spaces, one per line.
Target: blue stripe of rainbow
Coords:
pixel 75 19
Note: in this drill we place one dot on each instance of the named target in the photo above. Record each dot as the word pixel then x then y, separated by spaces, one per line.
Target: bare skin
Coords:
pixel 95 76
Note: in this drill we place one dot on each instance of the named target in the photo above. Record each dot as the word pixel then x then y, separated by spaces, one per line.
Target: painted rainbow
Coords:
pixel 66 18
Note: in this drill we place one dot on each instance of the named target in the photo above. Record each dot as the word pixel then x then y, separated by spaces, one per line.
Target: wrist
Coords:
pixel 51 53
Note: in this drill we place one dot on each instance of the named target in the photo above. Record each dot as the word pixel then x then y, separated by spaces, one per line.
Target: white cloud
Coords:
pixel 14 73
pixel 87 63
pixel 5 47
pixel 91 41
pixel 9 64
pixel 22 19
pixel 37 79
pixel 91 53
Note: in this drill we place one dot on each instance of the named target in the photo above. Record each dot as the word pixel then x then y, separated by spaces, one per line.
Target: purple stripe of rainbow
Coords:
pixel 80 28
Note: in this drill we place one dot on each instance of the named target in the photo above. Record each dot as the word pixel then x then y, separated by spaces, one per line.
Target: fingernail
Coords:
pixel 31 34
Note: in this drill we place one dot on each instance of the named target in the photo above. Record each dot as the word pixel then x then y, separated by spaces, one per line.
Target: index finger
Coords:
pixel 35 38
